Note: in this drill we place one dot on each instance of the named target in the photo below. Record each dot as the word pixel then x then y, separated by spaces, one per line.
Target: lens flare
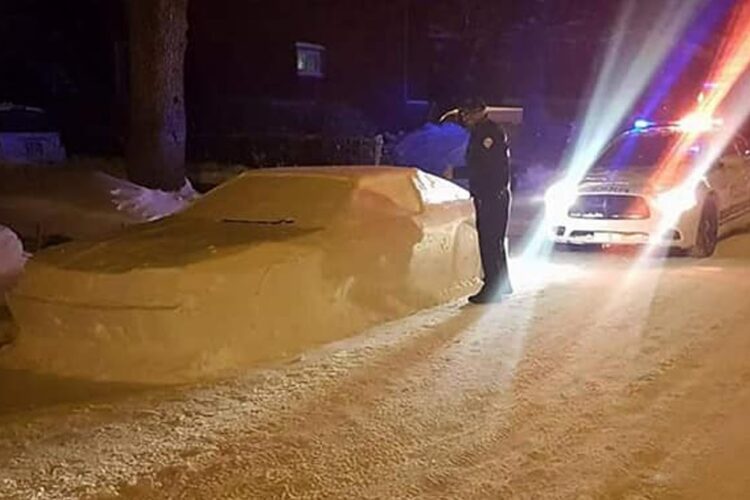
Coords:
pixel 641 124
pixel 729 91
pixel 559 198
pixel 677 201
pixel 628 67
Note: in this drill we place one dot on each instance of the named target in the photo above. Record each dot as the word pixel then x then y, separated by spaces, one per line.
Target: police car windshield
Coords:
pixel 644 151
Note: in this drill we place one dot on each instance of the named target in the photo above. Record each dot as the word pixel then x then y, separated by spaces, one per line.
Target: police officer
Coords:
pixel 488 169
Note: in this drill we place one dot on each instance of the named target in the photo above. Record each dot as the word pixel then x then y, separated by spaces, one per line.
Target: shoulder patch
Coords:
pixel 488 142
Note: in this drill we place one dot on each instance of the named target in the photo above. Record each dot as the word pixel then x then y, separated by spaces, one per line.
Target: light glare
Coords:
pixel 559 198
pixel 676 201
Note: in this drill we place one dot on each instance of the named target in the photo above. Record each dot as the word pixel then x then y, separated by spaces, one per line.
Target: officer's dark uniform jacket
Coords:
pixel 487 160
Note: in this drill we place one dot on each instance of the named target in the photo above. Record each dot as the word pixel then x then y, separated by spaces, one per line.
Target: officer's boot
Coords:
pixel 487 295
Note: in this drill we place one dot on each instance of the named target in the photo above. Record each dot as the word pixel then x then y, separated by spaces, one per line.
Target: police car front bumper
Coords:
pixel 575 231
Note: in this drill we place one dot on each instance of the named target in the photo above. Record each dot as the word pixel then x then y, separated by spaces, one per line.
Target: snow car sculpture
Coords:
pixel 261 268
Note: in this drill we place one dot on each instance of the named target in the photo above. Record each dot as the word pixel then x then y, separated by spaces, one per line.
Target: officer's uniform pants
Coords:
pixel 492 225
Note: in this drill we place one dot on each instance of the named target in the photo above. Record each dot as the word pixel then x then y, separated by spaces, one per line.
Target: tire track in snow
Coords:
pixel 580 424
pixel 597 436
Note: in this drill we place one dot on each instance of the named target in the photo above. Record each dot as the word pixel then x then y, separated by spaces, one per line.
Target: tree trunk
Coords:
pixel 156 143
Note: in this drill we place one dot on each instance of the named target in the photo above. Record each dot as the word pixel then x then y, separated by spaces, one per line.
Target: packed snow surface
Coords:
pixel 601 378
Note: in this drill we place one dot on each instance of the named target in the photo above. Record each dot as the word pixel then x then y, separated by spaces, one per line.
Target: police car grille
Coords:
pixel 609 206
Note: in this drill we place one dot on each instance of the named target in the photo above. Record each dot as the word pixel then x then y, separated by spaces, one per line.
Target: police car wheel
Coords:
pixel 708 233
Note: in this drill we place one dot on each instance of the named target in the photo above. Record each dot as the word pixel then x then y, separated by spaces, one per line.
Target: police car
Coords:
pixel 664 185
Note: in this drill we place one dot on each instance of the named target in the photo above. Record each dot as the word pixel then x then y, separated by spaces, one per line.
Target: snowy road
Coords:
pixel 601 380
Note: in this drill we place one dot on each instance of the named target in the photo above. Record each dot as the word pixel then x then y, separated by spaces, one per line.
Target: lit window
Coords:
pixel 310 59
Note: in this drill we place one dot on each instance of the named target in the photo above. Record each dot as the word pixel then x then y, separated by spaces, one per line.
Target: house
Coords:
pixel 260 71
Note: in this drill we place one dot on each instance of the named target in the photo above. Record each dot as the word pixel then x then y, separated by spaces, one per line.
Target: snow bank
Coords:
pixel 151 204
pixel 79 202
pixel 12 259
pixel 230 283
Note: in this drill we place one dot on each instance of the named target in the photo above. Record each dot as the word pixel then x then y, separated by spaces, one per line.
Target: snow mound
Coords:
pixel 12 259
pixel 79 202
pixel 151 204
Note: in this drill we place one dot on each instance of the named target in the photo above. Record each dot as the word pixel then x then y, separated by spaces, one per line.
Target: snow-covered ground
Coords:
pixel 601 378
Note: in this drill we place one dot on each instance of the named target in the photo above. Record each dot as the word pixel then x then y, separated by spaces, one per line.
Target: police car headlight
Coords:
pixel 676 201
pixel 559 198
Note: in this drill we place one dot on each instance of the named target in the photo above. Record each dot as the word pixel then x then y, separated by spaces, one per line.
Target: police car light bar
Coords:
pixel 640 124
pixel 695 122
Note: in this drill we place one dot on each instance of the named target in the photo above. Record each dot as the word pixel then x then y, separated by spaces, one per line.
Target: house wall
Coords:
pixel 241 53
